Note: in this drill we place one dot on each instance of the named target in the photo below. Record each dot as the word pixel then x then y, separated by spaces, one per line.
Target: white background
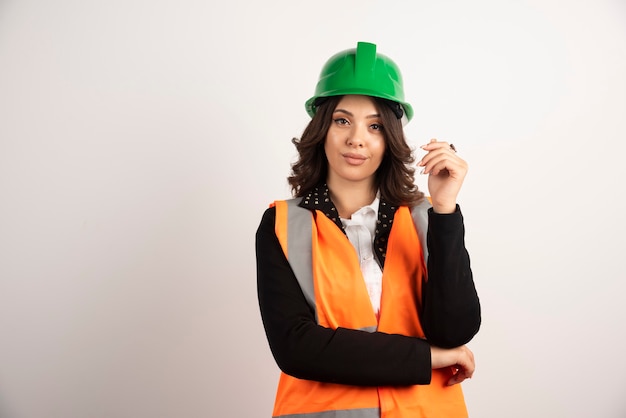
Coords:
pixel 140 142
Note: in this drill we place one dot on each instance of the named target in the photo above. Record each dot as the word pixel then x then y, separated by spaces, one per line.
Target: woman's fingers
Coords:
pixel 439 156
pixel 436 164
pixel 465 366
pixel 459 377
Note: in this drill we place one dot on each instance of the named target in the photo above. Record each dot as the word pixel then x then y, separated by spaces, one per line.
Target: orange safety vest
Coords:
pixel 327 269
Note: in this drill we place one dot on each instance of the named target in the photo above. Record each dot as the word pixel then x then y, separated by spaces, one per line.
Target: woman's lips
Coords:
pixel 354 159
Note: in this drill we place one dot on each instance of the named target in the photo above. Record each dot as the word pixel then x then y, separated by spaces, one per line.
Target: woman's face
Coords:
pixel 355 142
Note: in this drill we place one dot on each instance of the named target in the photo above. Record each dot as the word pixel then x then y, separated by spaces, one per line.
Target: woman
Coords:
pixel 364 285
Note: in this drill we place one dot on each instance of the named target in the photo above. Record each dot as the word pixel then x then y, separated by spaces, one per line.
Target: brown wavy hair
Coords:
pixel 395 175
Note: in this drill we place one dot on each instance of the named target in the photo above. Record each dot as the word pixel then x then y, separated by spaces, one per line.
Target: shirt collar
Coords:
pixel 319 199
pixel 367 209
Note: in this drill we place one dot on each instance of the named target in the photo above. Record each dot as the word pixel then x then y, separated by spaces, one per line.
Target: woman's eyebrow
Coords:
pixel 343 111
pixel 375 115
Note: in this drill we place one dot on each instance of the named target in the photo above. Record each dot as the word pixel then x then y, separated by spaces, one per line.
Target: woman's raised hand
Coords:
pixel 446 172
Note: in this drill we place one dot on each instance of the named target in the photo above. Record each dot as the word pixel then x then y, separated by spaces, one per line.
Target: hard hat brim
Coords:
pixel 311 109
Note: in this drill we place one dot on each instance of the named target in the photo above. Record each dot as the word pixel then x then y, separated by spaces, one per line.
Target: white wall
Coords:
pixel 140 141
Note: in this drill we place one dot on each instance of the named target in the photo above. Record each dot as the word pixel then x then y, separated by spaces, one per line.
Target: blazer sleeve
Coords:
pixel 306 350
pixel 451 309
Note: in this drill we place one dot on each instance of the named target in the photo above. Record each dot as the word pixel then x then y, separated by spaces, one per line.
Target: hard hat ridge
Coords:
pixel 365 61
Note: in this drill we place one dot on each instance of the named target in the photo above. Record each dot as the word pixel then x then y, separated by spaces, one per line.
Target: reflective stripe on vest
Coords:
pixel 346 413
pixel 328 272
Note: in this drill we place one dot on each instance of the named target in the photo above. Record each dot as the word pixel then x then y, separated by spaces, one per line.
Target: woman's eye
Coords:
pixel 341 121
pixel 376 127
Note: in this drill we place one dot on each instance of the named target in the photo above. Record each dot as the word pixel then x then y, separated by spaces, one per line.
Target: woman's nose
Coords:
pixel 355 138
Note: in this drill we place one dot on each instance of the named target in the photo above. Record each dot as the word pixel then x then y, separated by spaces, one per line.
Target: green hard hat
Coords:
pixel 360 71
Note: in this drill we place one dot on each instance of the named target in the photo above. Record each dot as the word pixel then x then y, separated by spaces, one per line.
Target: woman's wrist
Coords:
pixel 444 209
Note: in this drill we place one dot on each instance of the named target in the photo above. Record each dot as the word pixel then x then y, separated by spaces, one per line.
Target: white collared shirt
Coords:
pixel 360 229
